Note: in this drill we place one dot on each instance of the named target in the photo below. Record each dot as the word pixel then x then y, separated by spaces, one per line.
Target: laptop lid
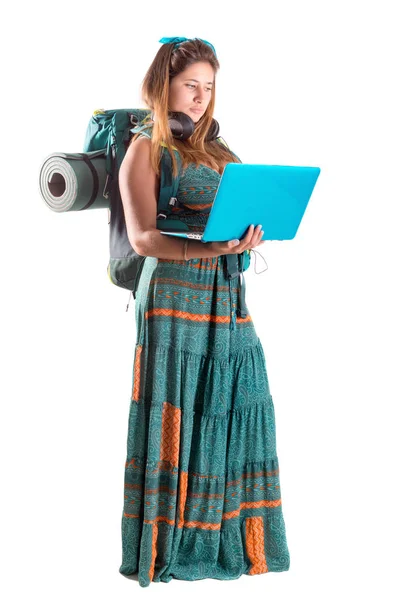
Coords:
pixel 274 195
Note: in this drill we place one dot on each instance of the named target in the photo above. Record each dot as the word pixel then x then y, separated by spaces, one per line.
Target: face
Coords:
pixel 190 91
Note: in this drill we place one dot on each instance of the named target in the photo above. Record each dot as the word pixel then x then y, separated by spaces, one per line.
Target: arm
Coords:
pixel 139 186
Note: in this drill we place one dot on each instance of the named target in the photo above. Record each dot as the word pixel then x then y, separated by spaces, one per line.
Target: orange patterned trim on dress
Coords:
pixel 257 504
pixel 255 545
pixel 136 374
pixel 198 206
pixel 170 433
pixel 204 525
pixel 180 314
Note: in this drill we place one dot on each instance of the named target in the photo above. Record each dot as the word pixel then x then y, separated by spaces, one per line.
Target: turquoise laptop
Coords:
pixel 274 196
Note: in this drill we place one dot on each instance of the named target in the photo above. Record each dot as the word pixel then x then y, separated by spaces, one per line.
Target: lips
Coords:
pixel 197 110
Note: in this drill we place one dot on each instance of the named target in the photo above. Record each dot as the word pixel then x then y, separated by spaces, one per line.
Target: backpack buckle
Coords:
pixel 172 201
pixel 107 187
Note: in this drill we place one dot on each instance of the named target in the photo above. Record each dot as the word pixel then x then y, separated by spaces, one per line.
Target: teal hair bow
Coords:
pixel 179 40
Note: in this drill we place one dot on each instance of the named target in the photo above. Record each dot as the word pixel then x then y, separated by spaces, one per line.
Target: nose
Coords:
pixel 200 95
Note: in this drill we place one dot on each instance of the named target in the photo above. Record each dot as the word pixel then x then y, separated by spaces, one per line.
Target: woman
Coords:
pixel 202 494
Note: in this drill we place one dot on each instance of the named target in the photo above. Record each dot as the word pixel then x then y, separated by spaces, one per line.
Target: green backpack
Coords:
pixel 110 131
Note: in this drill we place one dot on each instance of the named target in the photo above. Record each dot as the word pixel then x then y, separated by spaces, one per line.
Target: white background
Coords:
pixel 301 83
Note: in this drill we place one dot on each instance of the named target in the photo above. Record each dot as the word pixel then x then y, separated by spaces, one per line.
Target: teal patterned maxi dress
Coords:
pixel 201 493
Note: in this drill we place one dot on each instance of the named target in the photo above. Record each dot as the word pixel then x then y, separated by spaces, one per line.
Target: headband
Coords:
pixel 179 40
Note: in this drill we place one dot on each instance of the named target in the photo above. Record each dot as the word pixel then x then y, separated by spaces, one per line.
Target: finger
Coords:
pixel 249 233
pixel 245 241
pixel 256 236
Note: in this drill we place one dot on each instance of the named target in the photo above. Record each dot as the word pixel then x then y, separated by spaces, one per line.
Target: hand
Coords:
pixel 251 239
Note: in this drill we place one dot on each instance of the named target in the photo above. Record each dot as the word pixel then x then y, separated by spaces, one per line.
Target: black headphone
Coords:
pixel 182 127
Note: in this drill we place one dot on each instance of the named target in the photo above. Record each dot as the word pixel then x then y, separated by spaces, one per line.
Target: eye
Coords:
pixel 192 86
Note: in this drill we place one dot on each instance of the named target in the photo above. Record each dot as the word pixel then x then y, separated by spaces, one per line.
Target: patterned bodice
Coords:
pixel 197 189
pixel 196 193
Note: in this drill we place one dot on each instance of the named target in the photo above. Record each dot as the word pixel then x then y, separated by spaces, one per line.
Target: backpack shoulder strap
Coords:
pixel 168 184
pixel 168 190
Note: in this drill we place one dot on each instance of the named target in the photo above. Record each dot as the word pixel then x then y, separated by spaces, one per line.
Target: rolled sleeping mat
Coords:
pixel 74 181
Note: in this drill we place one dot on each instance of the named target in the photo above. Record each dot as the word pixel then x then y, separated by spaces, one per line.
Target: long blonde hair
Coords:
pixel 168 63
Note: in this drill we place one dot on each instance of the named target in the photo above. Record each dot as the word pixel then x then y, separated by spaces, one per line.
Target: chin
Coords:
pixel 195 118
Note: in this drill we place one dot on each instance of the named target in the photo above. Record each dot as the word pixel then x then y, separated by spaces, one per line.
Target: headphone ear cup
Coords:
pixel 181 125
pixel 213 132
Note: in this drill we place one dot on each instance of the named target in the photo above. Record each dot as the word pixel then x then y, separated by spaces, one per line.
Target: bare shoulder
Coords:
pixel 137 162
pixel 138 152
